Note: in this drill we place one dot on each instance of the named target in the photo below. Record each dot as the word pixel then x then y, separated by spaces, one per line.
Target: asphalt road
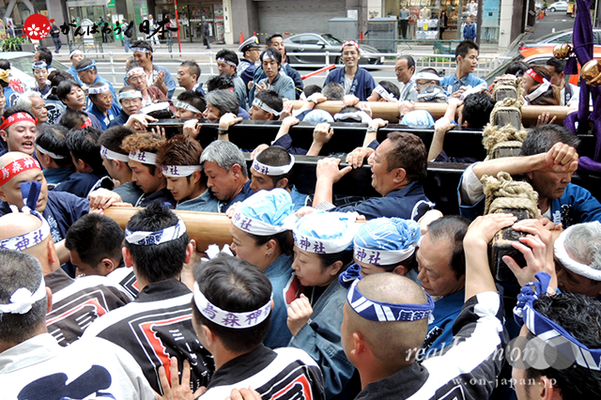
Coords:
pixel 553 22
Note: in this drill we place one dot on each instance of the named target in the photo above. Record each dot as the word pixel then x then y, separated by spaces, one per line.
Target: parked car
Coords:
pixel 20 65
pixel 558 6
pixel 320 43
pixel 553 39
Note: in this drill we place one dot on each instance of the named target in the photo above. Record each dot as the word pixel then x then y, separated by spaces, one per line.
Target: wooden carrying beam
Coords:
pixel 204 227
pixel 390 111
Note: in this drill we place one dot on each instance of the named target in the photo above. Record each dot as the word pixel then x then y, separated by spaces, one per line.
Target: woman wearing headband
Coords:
pixel 261 235
pixel 538 90
pixel 322 250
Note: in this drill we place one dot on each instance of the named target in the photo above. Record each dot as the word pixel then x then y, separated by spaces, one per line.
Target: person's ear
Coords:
pixel 335 267
pixel 127 258
pixel 270 246
pixel 399 175
pixel 208 335
pixel 236 170
pixel 189 252
pixel 109 265
pixel 195 177
pixel 49 299
pixel 282 183
pixel 400 269
pixel 545 390
pixel 4 135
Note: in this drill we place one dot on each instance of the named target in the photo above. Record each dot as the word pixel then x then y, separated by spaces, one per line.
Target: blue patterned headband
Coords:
pixel 387 312
pixel 549 331
pixel 92 65
pixel 146 238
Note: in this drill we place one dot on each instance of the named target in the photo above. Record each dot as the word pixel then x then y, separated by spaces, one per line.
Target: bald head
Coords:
pixel 27 170
pixel 393 344
pixel 17 224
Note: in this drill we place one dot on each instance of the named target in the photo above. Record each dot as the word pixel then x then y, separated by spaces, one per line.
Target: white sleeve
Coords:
pixel 471 190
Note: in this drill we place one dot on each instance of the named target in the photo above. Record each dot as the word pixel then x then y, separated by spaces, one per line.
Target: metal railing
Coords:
pixel 444 63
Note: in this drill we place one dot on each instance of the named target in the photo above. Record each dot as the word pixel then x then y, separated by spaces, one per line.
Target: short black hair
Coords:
pixel 540 139
pixel 5 65
pixel 580 316
pixel 220 82
pixel 113 137
pixel 271 37
pixel 464 47
pixel 272 52
pixel 558 65
pixel 235 285
pixel 193 68
pixel 83 145
pixel 193 98
pixel 272 99
pixel 227 55
pixel 310 89
pixel 409 59
pixel 517 68
pixel 476 109
pixel 73 119
pixel 94 237
pixel 391 88
pixel 64 88
pixel 45 54
pixel 452 228
pixel 157 262
pixel 53 138
pixel 344 256
pixel 275 156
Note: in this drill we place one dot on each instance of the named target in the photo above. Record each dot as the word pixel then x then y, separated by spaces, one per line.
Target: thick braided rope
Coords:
pixel 503 192
pixel 506 104
pixel 494 137
pixel 508 82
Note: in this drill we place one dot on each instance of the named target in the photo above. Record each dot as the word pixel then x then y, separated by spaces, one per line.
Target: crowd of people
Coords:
pixel 315 297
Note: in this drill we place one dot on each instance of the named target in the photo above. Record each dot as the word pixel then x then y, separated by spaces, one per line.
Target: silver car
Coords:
pixel 558 6
pixel 20 65
pixel 565 36
pixel 315 43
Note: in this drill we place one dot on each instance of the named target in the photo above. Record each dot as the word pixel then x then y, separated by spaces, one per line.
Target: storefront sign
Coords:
pixel 414 15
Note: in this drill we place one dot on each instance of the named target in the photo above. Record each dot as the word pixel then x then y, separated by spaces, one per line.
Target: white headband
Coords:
pixel 29 239
pixel 539 91
pixel 272 170
pixel 75 52
pixel 229 319
pixel 362 115
pixel 382 257
pixel 130 95
pixel 178 171
pixel 49 153
pixel 135 71
pixel 233 64
pixel 145 238
pixel 113 155
pixel 257 227
pixel 22 300
pixel 99 89
pixel 265 107
pixel 144 157
pixel 186 106
pixel 576 267
pixel 383 93
pixel 268 56
pixel 427 76
pixel 141 50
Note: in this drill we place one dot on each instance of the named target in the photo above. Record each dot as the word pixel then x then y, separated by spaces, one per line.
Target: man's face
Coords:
pixel 253 54
pixel 435 272
pixel 87 76
pixel 402 70
pixel 40 76
pixel 381 178
pixel 184 78
pixel 183 113
pixel 556 77
pixel 131 106
pixel 420 83
pixel 76 99
pixel 211 112
pixel 10 192
pixel 138 81
pixel 110 167
pixel 104 101
pixel 181 188
pixel 20 136
pixel 278 43
pixel 38 109
pixel 142 58
pixel 527 83
pixel 36 56
pixel 570 282
pixel 468 20
pixel 141 176
pixel 470 61
pixel 271 68
pixel 548 184
pixel 222 183
pixel 83 268
pixel 350 56
pixel 260 181
pixel 75 59
pixel 225 68
pixel 258 114
pixel 374 96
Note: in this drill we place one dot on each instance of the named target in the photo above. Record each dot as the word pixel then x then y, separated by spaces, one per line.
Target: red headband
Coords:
pixel 14 168
pixel 532 74
pixel 350 43
pixel 86 124
pixel 18 117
